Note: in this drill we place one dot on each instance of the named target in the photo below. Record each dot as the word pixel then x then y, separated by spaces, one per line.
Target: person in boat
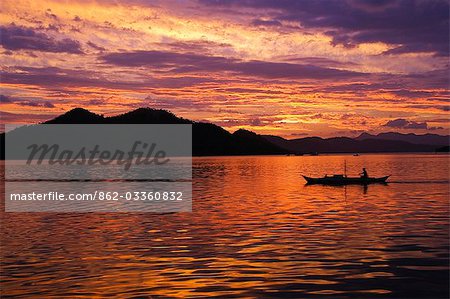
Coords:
pixel 364 174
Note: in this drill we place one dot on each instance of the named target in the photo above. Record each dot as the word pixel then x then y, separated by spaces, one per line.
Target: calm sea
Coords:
pixel 256 231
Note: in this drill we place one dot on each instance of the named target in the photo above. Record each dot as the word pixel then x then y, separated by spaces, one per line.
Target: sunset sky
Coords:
pixel 285 67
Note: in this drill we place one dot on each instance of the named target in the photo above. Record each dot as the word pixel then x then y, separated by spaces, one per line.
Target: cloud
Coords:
pixel 435 128
pixel 259 22
pixel 229 90
pixel 410 26
pixel 177 103
pixel 194 63
pixel 256 122
pixel 415 85
pixel 50 14
pixel 401 123
pixel 44 104
pixel 412 93
pixel 26 38
pixel 4 99
pixel 57 78
pixel 95 46
pixel 432 79
pixel 299 134
pixel 319 61
pixel 195 46
pixel 438 107
pixel 8 117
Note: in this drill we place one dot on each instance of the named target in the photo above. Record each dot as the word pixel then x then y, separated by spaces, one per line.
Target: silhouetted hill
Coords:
pixel 431 139
pixel 77 116
pixel 208 139
pixel 444 149
pixel 347 145
pixel 147 116
pixel 258 143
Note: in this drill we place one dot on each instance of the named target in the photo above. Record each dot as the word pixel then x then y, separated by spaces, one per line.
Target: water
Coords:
pixel 256 231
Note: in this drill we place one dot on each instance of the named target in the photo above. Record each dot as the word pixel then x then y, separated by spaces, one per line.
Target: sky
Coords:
pixel 284 67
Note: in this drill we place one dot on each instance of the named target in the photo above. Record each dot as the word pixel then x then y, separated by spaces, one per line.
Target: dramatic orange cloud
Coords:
pixel 275 67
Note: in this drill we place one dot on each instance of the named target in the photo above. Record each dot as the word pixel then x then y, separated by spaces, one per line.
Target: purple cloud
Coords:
pixel 44 104
pixel 187 63
pixel 95 46
pixel 259 22
pixel 409 25
pixel 8 117
pixel 438 107
pixel 4 99
pixel 318 61
pixel 26 38
pixel 195 46
pixel 401 123
pixel 56 78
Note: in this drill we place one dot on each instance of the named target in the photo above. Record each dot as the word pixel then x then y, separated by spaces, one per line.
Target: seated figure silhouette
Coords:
pixel 364 174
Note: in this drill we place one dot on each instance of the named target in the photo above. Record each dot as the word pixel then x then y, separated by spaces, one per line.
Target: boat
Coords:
pixel 339 179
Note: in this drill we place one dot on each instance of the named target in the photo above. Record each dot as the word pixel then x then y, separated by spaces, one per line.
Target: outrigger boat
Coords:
pixel 343 179
pixel 339 179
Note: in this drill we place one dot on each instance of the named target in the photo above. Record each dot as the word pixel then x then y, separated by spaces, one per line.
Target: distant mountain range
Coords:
pixel 430 139
pixel 365 143
pixel 212 140
pixel 360 144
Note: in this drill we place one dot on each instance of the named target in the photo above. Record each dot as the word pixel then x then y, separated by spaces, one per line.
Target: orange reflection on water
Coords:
pixel 256 230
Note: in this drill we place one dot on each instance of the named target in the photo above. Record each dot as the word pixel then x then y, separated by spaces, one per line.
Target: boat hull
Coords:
pixel 345 180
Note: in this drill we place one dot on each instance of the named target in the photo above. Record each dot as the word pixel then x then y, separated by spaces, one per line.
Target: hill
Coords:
pixel 347 145
pixel 208 139
pixel 213 140
pixel 430 139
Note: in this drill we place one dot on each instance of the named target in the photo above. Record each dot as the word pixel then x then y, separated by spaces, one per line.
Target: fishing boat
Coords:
pixel 343 179
pixel 339 179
